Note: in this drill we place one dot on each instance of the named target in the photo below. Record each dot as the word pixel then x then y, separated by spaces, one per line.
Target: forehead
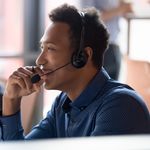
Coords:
pixel 56 33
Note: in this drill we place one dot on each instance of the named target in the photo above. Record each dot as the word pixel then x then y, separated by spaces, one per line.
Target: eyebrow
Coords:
pixel 46 42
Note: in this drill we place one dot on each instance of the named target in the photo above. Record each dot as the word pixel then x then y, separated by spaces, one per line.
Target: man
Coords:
pixel 91 103
pixel 111 13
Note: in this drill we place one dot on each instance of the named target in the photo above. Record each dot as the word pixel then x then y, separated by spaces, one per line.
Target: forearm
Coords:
pixel 10 106
pixel 121 10
pixel 109 14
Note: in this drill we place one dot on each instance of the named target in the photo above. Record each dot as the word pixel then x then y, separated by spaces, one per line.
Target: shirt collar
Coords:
pixel 91 91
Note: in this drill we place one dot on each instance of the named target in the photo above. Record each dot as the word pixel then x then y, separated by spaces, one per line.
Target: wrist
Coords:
pixel 10 106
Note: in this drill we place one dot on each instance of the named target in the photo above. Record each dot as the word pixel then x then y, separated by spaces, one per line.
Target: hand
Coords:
pixel 19 83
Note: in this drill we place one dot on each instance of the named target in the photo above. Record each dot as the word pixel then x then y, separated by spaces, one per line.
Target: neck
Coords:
pixel 78 85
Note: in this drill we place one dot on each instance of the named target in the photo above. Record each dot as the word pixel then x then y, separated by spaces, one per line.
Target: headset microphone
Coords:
pixel 36 78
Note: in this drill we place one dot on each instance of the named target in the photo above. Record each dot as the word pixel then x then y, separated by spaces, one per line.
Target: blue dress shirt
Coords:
pixel 105 107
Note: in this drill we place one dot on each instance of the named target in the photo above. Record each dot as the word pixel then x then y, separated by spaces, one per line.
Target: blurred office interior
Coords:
pixel 22 23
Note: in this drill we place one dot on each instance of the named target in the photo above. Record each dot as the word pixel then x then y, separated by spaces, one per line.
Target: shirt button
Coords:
pixel 82 108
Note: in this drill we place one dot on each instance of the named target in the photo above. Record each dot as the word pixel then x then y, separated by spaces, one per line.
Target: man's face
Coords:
pixel 56 51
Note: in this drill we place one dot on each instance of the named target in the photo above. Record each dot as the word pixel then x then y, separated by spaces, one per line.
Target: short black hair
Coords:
pixel 96 34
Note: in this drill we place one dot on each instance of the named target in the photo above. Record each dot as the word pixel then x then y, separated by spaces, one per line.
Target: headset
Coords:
pixel 79 58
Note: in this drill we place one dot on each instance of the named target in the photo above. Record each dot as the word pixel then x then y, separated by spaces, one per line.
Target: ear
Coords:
pixel 89 52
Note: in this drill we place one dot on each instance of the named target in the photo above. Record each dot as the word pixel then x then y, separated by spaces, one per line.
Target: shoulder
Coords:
pixel 123 111
pixel 114 89
pixel 122 98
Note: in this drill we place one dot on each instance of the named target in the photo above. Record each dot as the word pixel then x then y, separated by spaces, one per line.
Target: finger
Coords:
pixel 37 87
pixel 37 70
pixel 26 79
pixel 34 69
pixel 14 79
pixel 25 71
pixel 30 68
pixel 30 87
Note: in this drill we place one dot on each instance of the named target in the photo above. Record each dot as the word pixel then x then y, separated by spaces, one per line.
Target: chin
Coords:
pixel 49 86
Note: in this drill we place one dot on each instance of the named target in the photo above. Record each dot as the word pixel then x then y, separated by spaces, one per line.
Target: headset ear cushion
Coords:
pixel 79 61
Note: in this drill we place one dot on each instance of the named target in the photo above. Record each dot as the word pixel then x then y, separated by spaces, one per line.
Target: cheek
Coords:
pixel 62 74
pixel 58 80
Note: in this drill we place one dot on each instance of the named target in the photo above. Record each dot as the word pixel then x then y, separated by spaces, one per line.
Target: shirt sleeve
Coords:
pixel 122 115
pixel 11 128
pixel 45 129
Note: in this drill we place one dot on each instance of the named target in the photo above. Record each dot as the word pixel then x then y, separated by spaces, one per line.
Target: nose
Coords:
pixel 41 59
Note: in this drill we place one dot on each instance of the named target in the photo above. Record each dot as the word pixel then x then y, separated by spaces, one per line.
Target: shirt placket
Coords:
pixel 67 120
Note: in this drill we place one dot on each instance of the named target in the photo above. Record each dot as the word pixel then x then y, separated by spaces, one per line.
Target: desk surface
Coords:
pixel 140 142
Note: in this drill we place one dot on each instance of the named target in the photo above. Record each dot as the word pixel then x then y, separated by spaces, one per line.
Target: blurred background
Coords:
pixel 22 23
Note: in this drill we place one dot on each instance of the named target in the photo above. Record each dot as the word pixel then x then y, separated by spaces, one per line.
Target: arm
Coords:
pixel 121 10
pixel 45 129
pixel 18 85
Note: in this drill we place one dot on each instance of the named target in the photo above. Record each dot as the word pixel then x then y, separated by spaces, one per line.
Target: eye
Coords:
pixel 50 48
